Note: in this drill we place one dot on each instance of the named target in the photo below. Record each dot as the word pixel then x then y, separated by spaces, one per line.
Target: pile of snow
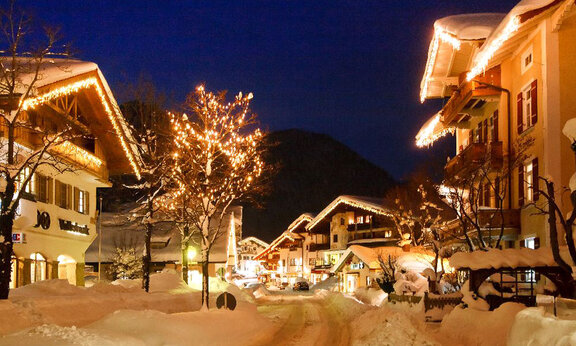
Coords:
pixel 390 327
pixel 410 283
pixel 474 327
pixel 57 287
pixel 507 258
pixel 330 284
pixel 370 295
pixel 533 326
pixel 149 327
pixel 260 292
pixel 345 307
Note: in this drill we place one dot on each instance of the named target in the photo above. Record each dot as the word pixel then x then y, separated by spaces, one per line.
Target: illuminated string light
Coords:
pixel 428 135
pixel 113 116
pixel 348 201
pixel 487 52
pixel 440 34
pixel 78 154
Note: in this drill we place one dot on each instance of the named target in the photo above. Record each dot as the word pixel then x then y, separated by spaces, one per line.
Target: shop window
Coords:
pixel 37 268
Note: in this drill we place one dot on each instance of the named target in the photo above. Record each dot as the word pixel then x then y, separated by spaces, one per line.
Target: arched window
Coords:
pixel 14 273
pixel 37 267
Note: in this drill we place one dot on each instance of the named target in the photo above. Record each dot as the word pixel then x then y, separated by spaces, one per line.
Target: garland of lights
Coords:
pixel 427 136
pixel 440 34
pixel 349 202
pixel 78 154
pixel 32 103
pixel 487 52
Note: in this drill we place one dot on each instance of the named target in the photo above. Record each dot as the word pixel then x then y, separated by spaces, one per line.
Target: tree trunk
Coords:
pixel 569 231
pixel 205 279
pixel 147 255
pixel 6 247
pixel 553 228
pixel 185 260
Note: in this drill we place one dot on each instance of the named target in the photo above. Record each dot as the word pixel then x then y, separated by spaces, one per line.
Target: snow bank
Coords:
pixel 474 327
pixel 507 258
pixel 154 328
pixel 346 307
pixel 329 284
pixel 371 296
pixel 385 326
pixel 533 326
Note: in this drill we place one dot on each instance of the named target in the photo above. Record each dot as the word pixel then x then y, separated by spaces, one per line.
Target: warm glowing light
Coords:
pixel 114 116
pixel 78 154
pixel 490 48
pixel 429 133
pixel 440 34
pixel 191 253
pixel 347 201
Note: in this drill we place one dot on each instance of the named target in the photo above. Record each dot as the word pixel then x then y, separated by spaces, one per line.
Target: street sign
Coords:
pixel 18 238
pixel 226 301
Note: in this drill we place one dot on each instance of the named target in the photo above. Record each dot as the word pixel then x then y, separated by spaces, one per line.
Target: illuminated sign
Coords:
pixel 18 238
pixel 357 265
pixel 72 227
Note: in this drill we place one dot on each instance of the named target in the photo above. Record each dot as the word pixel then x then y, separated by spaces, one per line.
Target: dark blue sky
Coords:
pixel 350 69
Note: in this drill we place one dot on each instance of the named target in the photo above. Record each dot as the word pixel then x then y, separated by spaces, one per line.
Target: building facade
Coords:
pixel 508 79
pixel 56 221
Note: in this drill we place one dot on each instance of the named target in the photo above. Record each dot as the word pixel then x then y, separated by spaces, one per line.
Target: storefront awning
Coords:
pixel 432 130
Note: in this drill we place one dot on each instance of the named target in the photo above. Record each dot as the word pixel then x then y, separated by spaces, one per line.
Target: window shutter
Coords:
pixel 522 243
pixel 76 199
pixel 38 187
pixel 519 113
pixel 535 182
pixel 470 136
pixel 57 189
pixel 521 185
pixel 495 129
pixel 534 100
pixel 537 243
pixel 485 139
pixel 69 196
pixel 50 190
pixel 86 203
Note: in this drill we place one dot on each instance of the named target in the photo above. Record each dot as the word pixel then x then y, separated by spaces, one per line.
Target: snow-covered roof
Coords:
pixel 507 258
pixel 417 259
pixel 432 130
pixel 285 235
pixel 254 240
pixel 371 204
pixel 81 75
pixel 119 229
pixel 472 26
pixel 302 219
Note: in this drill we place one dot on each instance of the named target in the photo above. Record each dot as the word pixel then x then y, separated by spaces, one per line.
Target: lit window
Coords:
pixel 37 268
pixel 529 178
pixel 81 201
pixel 359 219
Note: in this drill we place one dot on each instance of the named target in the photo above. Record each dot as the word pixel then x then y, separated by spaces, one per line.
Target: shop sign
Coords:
pixel 355 266
pixel 18 238
pixel 70 226
pixel 42 220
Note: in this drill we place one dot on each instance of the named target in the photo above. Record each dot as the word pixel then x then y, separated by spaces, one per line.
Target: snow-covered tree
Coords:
pixel 150 127
pixel 24 52
pixel 126 263
pixel 217 161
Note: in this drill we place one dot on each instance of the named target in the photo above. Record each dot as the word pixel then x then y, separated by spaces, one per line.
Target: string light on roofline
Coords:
pixel 440 34
pixel 487 53
pixel 426 136
pixel 32 103
pixel 349 202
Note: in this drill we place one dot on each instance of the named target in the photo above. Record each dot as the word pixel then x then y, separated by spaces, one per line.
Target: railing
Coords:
pixel 319 247
pixel 473 157
pixel 436 306
pixel 403 298
pixel 491 218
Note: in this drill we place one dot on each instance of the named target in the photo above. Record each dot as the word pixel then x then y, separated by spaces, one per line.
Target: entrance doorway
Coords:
pixel 67 269
pixel 37 267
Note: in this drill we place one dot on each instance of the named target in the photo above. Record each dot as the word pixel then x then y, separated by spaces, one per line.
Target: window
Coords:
pixel 368 281
pixel 341 221
pixel 63 195
pixel 493 121
pixel 527 59
pixel 81 199
pixel 359 219
pixel 527 107
pixel 335 238
pixel 43 189
pixel 30 187
pixel 528 182
pixel 37 267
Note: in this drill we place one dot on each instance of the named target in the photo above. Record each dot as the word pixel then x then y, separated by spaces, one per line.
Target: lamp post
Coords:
pixel 100 240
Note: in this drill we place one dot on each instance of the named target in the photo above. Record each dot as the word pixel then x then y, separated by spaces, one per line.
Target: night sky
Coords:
pixel 350 69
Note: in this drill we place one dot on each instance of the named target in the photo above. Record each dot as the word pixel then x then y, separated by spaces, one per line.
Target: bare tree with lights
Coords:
pixel 217 161
pixel 24 147
pixel 150 125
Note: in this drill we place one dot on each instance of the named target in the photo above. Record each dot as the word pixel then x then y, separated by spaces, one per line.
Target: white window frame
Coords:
pixel 528 181
pixel 527 53
pixel 527 107
pixel 81 204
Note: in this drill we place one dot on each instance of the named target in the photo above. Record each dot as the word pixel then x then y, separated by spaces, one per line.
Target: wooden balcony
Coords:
pixel 477 88
pixel 472 157
pixel 319 247
pixel 491 218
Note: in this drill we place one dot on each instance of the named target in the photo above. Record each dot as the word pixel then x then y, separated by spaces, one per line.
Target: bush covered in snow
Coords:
pixel 126 264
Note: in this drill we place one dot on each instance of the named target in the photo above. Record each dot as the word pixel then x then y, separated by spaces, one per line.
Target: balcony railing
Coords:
pixel 319 247
pixel 475 155
pixel 491 218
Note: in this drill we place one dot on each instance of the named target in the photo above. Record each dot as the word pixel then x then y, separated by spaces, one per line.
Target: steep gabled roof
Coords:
pixel 371 204
pixel 62 77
